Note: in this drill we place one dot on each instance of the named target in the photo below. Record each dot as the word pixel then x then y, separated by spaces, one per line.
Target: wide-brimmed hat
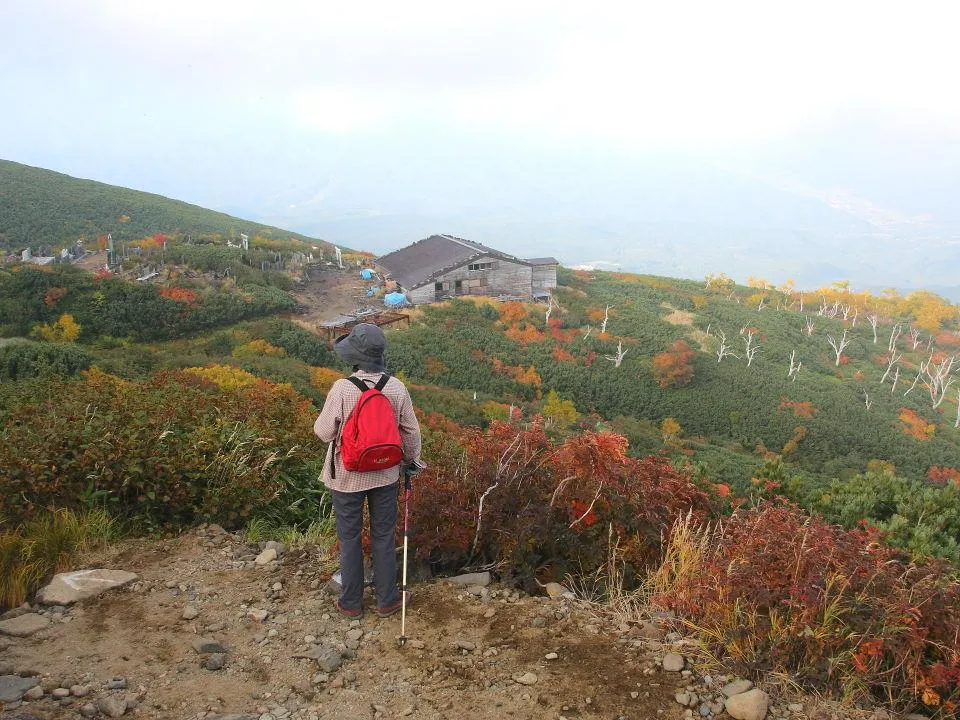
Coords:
pixel 363 347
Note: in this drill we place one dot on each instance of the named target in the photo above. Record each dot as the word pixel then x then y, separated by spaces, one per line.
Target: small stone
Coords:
pixel 490 613
pixel 538 622
pixel 551 656
pixel 682 698
pixel 795 707
pixel 320 678
pixel 673 662
pixel 465 645
pixel 272 633
pixel 482 579
pixel 555 590
pixel 337 682
pixel 278 547
pixel 189 612
pixel 648 631
pixel 89 710
pixel 267 556
pixel 354 634
pixel 118 683
pixel 60 692
pixel 309 639
pixel 170 584
pixel 34 693
pixel 79 690
pixel 634 694
pixel 112 706
pixel 257 615
pixel 68 588
pixel 736 687
pixel 216 662
pixel 527 678
pixel 277 586
pixel 750 705
pixel 704 710
pixel 208 645
pixel 23 625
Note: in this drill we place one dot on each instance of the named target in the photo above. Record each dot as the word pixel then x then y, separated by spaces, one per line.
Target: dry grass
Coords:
pixel 677 317
pixel 31 552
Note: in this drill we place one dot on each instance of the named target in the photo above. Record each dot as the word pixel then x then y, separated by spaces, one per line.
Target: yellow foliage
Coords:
pixel 258 347
pixel 561 411
pixel 66 329
pixel 226 377
pixel 495 411
pixel 323 378
pixel 670 428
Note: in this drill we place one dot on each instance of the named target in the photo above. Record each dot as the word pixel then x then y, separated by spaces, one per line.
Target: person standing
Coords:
pixel 364 348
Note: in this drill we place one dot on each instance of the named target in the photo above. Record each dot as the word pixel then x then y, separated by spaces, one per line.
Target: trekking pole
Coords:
pixel 408 472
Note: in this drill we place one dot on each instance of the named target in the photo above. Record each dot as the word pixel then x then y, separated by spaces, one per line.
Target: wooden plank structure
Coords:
pixel 342 324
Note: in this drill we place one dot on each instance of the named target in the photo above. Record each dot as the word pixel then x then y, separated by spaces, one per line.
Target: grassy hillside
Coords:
pixel 42 207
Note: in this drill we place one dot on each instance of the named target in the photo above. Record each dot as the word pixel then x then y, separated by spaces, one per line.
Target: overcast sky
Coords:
pixel 183 97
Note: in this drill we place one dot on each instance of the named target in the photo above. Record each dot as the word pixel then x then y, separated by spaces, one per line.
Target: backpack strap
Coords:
pixel 382 382
pixel 361 386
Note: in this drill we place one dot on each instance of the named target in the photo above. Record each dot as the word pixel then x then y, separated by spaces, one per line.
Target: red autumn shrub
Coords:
pixel 777 588
pixel 674 368
pixel 510 494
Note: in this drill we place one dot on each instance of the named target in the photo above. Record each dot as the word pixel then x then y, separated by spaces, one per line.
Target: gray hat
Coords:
pixel 363 347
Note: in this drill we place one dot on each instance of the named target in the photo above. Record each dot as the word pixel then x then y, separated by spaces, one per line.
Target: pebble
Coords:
pixel 466 645
pixel 118 683
pixel 354 634
pixel 34 693
pixel 272 633
pixel 704 710
pixel 538 622
pixel 482 579
pixel 267 556
pixel 750 705
pixel 112 706
pixel 216 661
pixel 527 678
pixel 551 656
pixel 79 690
pixel 795 707
pixel 490 613
pixel 736 687
pixel 555 590
pixel 89 710
pixel 60 692
pixel 682 698
pixel 207 645
pixel 190 612
pixel 309 639
pixel 320 678
pixel 673 662
pixel 257 615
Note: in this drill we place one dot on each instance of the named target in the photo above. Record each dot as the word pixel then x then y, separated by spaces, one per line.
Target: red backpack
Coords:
pixel 370 439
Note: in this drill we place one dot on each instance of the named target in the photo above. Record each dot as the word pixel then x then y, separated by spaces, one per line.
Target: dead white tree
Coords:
pixel 549 307
pixel 724 349
pixel 895 332
pixel 809 326
pixel 794 366
pixel 838 345
pixel 923 368
pixel 896 376
pixel 891 362
pixel 587 333
pixel 801 302
pixel 939 378
pixel 853 320
pixel 606 317
pixel 845 311
pixel 823 306
pixel 748 335
pixel 874 319
pixel 915 337
pixel 866 399
pixel 618 358
pixel 760 306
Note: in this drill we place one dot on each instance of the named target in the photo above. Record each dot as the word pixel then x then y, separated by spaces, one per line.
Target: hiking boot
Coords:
pixel 348 613
pixel 394 607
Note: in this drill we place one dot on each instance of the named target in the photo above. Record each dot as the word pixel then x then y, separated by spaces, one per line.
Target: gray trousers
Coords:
pixel 348 509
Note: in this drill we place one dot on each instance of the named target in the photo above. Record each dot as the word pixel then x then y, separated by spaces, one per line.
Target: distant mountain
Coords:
pixel 45 208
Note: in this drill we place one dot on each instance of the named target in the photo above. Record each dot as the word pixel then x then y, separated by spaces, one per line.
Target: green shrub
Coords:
pixel 26 359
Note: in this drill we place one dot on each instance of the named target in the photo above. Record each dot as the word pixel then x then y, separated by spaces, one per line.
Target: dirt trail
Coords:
pixel 468 647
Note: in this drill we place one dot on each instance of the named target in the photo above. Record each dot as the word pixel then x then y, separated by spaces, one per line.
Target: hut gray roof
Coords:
pixel 542 261
pixel 419 263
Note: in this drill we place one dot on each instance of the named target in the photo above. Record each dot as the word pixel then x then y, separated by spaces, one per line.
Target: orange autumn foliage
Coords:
pixel 526 335
pixel 561 355
pixel 674 367
pixel 181 295
pixel 799 409
pixel 916 426
pixel 512 312
pixel 943 475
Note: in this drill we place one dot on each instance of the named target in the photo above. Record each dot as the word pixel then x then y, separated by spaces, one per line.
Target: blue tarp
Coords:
pixel 395 299
pixel 366 274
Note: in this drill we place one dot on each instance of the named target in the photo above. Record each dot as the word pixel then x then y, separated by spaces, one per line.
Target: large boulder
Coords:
pixel 751 705
pixel 481 578
pixel 68 588
pixel 13 687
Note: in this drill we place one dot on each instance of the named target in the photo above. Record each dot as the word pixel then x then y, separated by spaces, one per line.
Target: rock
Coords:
pixel 482 579
pixel 13 687
pixel 465 645
pixel 89 710
pixel 257 615
pixel 354 634
pixel 490 613
pixel 216 661
pixel 68 588
pixel 673 662
pixel 23 625
pixel 475 590
pixel 736 687
pixel 34 693
pixel 233 716
pixel 555 590
pixel 417 644
pixel 79 690
pixel 61 692
pixel 683 698
pixel 326 657
pixel 798 708
pixel 267 556
pixel 704 710
pixel 750 705
pixel 538 622
pixel 118 683
pixel 647 631
pixel 527 678
pixel 278 547
pixel 189 612
pixel 112 706
pixel 551 656
pixel 320 678
pixel 204 645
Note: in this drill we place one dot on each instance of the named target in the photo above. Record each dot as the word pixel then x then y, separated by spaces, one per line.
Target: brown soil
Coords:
pixel 333 292
pixel 138 633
